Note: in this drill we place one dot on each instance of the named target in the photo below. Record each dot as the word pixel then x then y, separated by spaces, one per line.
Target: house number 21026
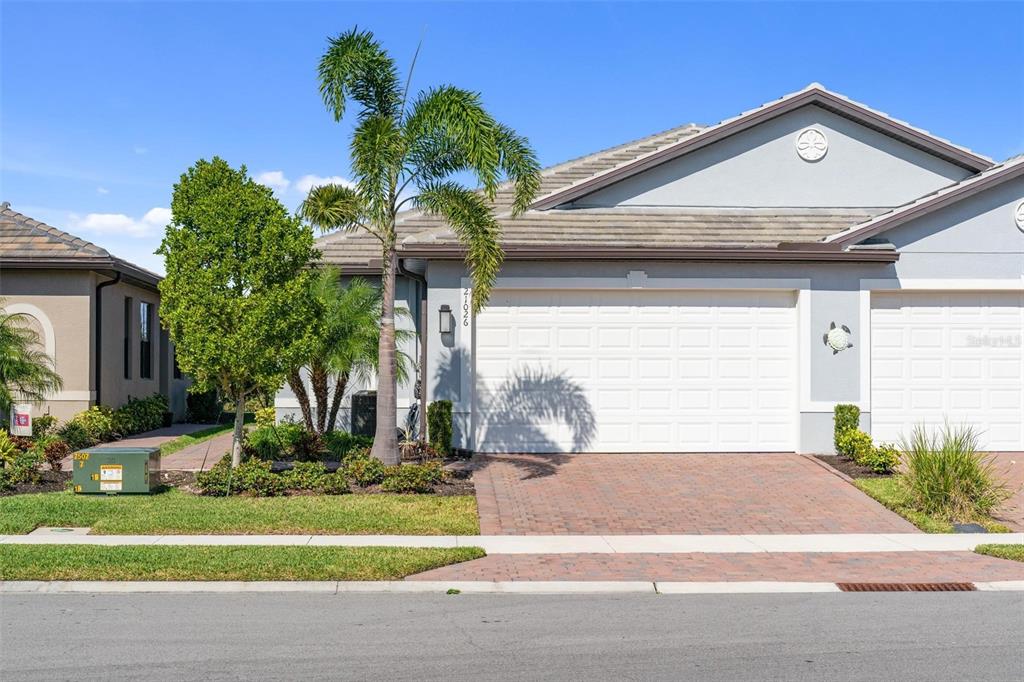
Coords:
pixel 467 295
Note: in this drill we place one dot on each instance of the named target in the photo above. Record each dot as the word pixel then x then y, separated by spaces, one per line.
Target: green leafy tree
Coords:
pixel 346 348
pixel 234 298
pixel 26 371
pixel 409 154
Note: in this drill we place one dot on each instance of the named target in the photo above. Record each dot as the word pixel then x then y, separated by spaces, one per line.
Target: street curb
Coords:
pixel 441 587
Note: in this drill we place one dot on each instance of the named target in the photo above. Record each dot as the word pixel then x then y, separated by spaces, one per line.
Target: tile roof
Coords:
pixel 24 237
pixel 27 242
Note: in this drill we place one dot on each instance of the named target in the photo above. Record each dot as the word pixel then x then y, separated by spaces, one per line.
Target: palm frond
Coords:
pixel 475 226
pixel 458 116
pixel 26 371
pixel 333 207
pixel 376 152
pixel 519 163
pixel 356 66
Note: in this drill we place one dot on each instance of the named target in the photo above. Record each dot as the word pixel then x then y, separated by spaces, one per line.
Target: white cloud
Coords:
pixel 275 180
pixel 308 182
pixel 102 190
pixel 151 223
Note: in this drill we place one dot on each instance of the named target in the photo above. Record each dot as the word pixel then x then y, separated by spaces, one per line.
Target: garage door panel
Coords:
pixel 948 356
pixel 662 371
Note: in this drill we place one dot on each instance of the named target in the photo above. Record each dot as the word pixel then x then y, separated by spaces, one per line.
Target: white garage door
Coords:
pixel 955 356
pixel 636 371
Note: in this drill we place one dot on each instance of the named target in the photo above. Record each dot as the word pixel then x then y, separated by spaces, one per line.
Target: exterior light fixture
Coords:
pixel 445 322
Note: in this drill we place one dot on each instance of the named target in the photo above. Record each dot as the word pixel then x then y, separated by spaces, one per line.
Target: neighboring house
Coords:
pixel 96 316
pixel 691 291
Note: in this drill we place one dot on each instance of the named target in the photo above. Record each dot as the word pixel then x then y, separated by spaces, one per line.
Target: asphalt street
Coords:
pixel 947 636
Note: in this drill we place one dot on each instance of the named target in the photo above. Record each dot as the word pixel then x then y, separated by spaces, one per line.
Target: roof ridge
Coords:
pixel 51 231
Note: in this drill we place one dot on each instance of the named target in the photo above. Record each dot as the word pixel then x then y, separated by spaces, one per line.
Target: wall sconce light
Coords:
pixel 446 323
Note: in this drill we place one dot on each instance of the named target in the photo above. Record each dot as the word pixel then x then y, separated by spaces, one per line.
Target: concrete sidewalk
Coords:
pixel 562 544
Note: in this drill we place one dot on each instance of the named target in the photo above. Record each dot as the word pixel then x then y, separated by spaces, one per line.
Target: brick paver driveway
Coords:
pixel 595 494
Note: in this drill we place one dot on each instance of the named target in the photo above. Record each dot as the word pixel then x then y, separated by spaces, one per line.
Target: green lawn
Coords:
pixel 888 492
pixel 84 562
pixel 182 442
pixel 1012 552
pixel 175 512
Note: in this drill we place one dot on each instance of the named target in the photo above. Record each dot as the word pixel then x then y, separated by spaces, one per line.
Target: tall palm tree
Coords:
pixel 406 154
pixel 347 348
pixel 26 371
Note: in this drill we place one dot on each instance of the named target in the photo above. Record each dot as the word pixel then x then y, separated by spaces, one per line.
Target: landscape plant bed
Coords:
pixel 1011 552
pixel 850 467
pixel 83 562
pixel 887 491
pixel 176 512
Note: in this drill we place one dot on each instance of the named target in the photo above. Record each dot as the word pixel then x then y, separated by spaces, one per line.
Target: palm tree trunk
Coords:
pixel 319 380
pixel 298 387
pixel 339 392
pixel 385 440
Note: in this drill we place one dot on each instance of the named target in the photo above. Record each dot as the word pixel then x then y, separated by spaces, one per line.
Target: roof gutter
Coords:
pixel 802 252
pixel 99 332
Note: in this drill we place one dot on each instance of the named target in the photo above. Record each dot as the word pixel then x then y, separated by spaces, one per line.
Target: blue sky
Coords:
pixel 105 105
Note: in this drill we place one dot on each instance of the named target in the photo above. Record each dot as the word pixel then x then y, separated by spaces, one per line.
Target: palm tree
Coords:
pixel 26 371
pixel 409 153
pixel 347 348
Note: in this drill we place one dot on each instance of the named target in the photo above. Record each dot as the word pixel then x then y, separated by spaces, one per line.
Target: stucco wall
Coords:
pixel 759 167
pixel 61 301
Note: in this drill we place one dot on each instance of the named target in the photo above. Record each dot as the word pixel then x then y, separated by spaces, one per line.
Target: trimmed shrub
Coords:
pixel 341 443
pixel 844 418
pixel 304 476
pixel 306 446
pixel 365 471
pixel 853 443
pixel 43 426
pixel 946 476
pixel 439 426
pixel 75 435
pixel 19 466
pixel 356 455
pixel 136 416
pixel 203 408
pixel 412 478
pixel 882 459
pixel 333 484
pixel 252 477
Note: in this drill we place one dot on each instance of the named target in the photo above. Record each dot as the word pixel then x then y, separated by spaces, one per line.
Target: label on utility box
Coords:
pixel 110 477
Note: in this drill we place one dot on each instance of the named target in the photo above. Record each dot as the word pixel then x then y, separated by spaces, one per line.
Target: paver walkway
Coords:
pixel 186 459
pixel 1010 467
pixel 701 567
pixel 598 494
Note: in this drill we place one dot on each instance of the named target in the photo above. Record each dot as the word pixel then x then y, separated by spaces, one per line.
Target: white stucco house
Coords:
pixel 677 293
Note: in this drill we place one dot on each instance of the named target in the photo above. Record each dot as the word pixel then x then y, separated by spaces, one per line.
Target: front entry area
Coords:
pixel 637 371
pixel 938 356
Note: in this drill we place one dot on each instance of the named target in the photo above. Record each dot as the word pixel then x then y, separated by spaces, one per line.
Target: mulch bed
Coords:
pixel 49 482
pixel 849 467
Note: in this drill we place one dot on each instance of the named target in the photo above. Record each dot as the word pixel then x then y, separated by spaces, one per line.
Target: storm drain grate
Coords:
pixel 906 587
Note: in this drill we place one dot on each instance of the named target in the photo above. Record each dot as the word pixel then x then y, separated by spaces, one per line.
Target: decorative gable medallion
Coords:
pixel 811 144
pixel 1018 216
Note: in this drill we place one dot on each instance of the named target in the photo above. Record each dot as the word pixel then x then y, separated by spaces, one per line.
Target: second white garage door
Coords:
pixel 637 371
pixel 948 356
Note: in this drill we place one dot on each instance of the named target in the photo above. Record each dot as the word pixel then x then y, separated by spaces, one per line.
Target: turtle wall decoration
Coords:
pixel 837 338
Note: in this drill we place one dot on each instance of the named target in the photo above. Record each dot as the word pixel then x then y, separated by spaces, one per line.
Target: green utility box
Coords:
pixel 116 471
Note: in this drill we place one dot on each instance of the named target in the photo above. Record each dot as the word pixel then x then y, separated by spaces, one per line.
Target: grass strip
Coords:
pixel 83 562
pixel 1011 552
pixel 175 512
pixel 182 442
pixel 891 495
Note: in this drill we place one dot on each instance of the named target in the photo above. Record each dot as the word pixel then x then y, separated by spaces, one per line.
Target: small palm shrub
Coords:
pixel 341 443
pixel 945 475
